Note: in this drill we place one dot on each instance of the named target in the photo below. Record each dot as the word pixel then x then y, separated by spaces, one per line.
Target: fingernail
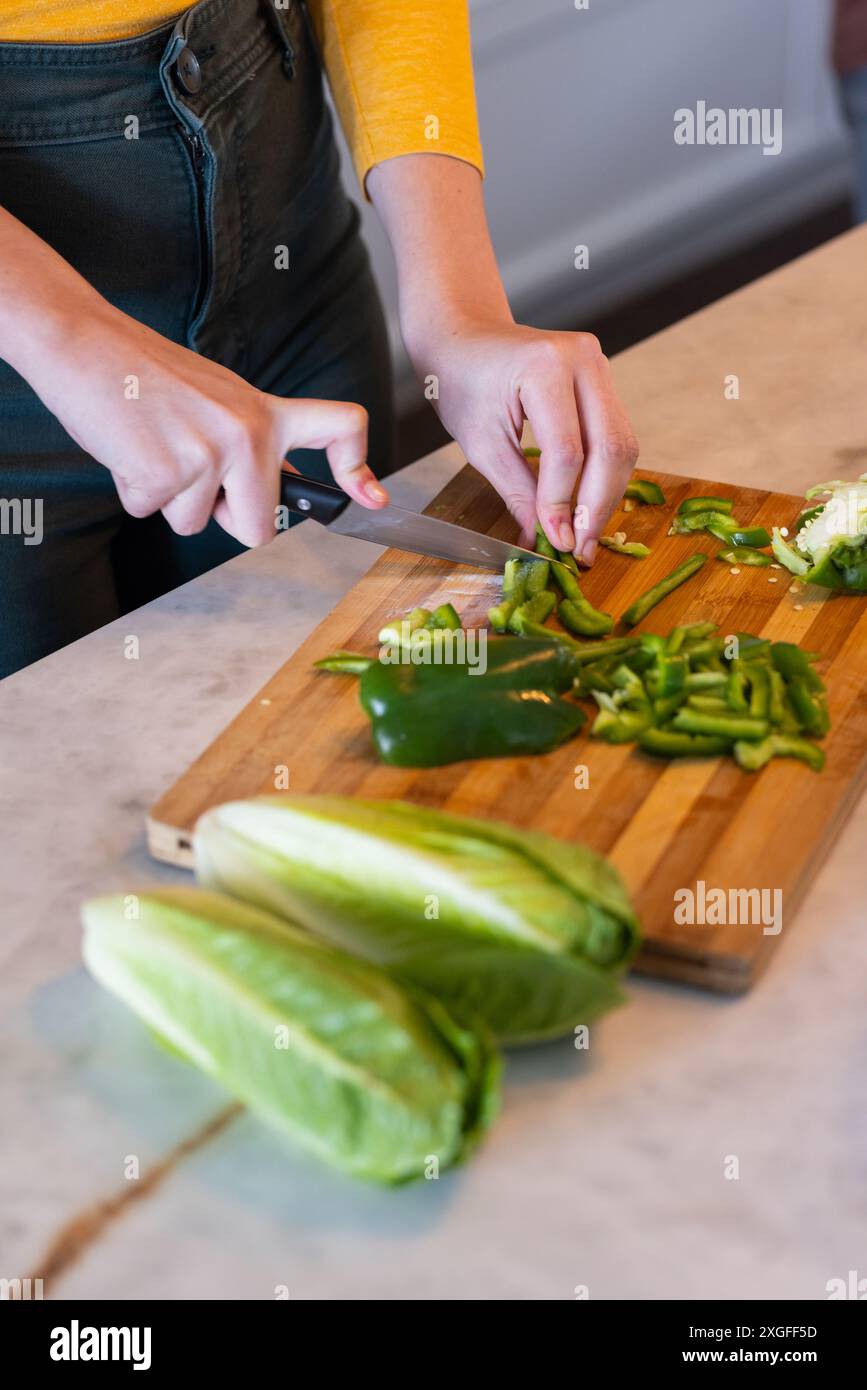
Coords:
pixel 587 553
pixel 375 492
pixel 567 539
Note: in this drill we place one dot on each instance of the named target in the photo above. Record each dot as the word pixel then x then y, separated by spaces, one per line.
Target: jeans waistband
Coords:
pixel 56 93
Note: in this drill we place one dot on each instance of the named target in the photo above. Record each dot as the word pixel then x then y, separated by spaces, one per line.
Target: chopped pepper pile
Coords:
pixel 696 693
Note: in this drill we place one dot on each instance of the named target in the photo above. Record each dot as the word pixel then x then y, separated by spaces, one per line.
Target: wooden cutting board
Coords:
pixel 667 826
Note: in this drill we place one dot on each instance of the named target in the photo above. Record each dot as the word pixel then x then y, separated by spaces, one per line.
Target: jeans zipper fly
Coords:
pixel 197 158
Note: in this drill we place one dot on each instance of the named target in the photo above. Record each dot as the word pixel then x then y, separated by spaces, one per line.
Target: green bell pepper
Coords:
pixel 425 715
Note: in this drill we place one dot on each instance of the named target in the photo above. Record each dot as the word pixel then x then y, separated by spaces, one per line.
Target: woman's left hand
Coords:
pixel 486 378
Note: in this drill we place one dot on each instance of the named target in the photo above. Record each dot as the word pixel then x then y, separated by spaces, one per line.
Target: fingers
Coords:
pixel 611 451
pixel 139 499
pixel 548 399
pixel 248 507
pixel 502 463
pixel 191 510
pixel 340 428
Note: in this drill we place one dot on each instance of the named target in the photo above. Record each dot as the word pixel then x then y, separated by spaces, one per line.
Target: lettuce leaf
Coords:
pixel 372 1077
pixel 521 930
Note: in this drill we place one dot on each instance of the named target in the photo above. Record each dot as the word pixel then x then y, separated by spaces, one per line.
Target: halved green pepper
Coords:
pixel 426 715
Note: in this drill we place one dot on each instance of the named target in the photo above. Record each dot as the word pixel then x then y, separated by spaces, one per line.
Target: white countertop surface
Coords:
pixel 607 1169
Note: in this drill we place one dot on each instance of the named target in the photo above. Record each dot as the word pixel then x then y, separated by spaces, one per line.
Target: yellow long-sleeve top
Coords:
pixel 399 70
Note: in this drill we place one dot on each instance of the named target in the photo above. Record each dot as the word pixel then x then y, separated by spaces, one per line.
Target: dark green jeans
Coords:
pixel 191 175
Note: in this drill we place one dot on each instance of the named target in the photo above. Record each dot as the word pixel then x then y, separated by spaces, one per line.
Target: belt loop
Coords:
pixel 279 11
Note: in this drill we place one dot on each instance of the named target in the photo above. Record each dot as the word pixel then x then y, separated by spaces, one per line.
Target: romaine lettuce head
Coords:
pixel 373 1077
pixel 830 542
pixel 526 932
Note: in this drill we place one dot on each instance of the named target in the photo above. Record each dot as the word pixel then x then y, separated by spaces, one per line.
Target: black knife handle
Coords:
pixel 308 497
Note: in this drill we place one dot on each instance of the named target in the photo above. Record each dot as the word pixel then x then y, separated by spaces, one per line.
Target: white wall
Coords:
pixel 577 115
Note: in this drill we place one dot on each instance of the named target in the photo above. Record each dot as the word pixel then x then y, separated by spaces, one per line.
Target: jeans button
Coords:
pixel 188 73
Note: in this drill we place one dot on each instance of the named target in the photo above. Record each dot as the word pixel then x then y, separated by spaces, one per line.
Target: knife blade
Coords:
pixel 394 526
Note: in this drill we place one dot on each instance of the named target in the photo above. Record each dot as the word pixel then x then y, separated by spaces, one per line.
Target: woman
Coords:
pixel 184 297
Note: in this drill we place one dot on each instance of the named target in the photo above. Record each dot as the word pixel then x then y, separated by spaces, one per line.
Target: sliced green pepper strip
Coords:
pixel 643 604
pixel 420 617
pixel 760 691
pixel 344 663
pixel 667 743
pixel 791 660
pixel 748 537
pixel 704 650
pixel 622 727
pixel 737 688
pixel 752 648
pixel 633 548
pixel 788 556
pixel 708 704
pixel 592 651
pixel 642 490
pixel 543 546
pixel 534 610
pixel 731 726
pixel 701 521
pixel 705 504
pixel 705 680
pixel 500 614
pixel 515 581
pixel 753 756
pixel 596 676
pixel 580 617
pixel 744 555
pixel 446 616
pixel 810 709
pixel 665 706
pixel 776 696
pixel 667 677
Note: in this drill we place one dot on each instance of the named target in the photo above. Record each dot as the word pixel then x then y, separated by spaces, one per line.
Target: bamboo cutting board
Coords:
pixel 667 826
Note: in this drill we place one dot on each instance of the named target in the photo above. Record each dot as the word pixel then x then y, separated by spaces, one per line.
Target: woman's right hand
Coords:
pixel 187 437
pixel 179 433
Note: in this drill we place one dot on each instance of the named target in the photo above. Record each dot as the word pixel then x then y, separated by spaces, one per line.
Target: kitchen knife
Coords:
pixel 423 535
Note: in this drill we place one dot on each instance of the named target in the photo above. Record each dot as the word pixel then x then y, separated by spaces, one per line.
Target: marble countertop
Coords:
pixel 609 1170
